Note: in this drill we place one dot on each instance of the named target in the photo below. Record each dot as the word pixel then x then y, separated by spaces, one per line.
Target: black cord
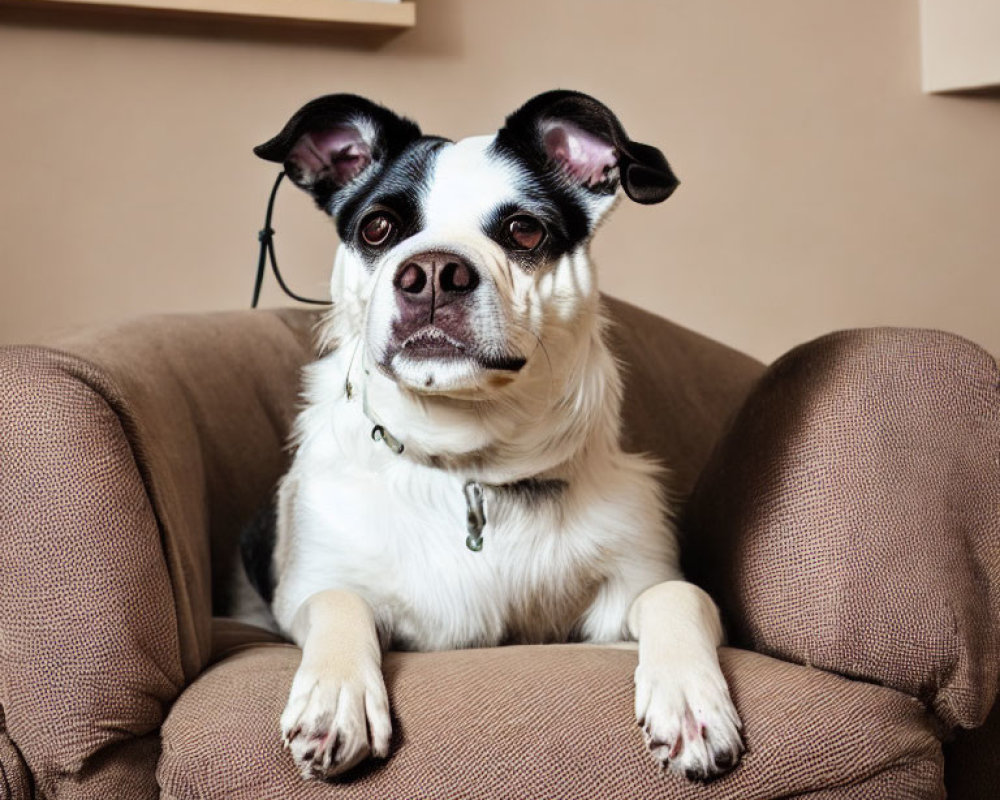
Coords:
pixel 266 238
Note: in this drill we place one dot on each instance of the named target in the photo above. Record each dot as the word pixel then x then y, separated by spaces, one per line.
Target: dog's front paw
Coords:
pixel 331 722
pixel 689 721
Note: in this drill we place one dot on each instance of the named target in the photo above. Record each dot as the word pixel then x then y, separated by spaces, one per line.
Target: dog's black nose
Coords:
pixel 435 279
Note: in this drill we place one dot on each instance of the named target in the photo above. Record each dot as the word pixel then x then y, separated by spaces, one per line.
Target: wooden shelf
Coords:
pixel 959 44
pixel 322 12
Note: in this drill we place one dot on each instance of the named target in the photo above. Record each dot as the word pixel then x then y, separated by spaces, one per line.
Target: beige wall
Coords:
pixel 821 188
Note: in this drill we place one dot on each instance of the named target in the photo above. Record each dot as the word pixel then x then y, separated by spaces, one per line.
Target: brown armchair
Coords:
pixel 843 506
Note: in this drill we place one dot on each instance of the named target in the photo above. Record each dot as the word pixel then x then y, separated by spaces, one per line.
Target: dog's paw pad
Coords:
pixel 690 726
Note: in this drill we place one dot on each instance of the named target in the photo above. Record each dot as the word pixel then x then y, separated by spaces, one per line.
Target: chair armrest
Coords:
pixel 850 518
pixel 87 620
pixel 129 458
pixel 207 401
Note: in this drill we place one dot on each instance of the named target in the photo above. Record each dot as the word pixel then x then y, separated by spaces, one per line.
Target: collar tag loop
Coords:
pixel 476 515
pixel 380 434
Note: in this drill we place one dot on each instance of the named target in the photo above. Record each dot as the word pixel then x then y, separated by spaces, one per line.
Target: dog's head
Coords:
pixel 456 255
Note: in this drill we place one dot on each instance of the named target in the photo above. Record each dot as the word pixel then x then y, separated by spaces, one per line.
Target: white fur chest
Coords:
pixel 556 564
pixel 394 532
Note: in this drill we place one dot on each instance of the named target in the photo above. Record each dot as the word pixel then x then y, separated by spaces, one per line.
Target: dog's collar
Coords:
pixel 472 490
pixel 379 432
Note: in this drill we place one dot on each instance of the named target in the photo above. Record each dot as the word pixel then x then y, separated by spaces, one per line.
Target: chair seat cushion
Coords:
pixel 549 721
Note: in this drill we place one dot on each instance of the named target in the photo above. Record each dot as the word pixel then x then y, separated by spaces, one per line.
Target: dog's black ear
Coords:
pixel 336 140
pixel 582 139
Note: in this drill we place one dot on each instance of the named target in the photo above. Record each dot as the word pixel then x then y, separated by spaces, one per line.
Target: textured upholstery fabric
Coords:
pixel 680 390
pixel 229 636
pixel 131 456
pixel 116 462
pixel 850 518
pixel 15 780
pixel 207 400
pixel 83 581
pixel 552 721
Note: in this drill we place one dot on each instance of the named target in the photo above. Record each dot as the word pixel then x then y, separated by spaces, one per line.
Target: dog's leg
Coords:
pixel 681 698
pixel 338 708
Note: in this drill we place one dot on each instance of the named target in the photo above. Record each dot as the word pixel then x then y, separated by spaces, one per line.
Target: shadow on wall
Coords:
pixel 982 93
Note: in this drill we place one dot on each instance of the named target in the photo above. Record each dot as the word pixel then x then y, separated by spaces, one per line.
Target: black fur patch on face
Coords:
pixel 547 198
pixel 396 190
pixel 566 226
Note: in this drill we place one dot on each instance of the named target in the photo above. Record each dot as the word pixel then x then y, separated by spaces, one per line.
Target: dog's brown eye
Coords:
pixel 527 232
pixel 376 230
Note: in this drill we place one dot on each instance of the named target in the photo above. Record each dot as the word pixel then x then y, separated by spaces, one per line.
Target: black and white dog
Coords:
pixel 495 503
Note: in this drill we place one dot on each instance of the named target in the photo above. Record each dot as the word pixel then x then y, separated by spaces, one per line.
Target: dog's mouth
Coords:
pixel 432 361
pixel 432 342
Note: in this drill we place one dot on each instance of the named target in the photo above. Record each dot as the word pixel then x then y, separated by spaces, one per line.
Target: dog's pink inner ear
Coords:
pixel 583 156
pixel 339 153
